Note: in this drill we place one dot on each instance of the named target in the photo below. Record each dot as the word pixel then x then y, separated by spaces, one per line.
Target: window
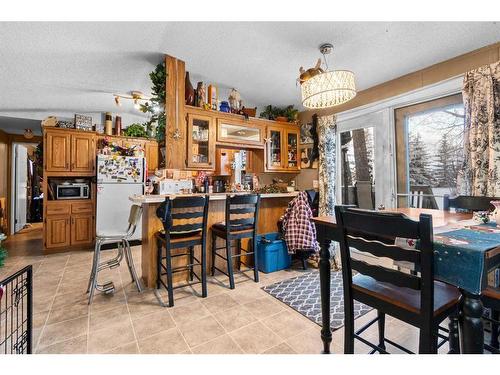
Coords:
pixel 429 146
pixel 357 166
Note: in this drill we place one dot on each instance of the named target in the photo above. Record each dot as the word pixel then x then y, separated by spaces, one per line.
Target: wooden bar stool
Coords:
pixel 241 222
pixel 185 226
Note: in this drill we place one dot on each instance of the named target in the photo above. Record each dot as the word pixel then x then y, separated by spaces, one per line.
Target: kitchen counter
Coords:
pixel 158 198
pixel 269 213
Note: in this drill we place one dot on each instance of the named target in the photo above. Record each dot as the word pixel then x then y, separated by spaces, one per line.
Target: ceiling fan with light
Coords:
pixel 137 96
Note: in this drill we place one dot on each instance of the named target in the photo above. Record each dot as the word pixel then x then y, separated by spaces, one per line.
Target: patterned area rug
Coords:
pixel 302 293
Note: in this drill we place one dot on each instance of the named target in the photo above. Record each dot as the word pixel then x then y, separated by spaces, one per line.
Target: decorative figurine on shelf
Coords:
pixel 189 91
pixel 234 101
pixel 200 98
pixel 224 107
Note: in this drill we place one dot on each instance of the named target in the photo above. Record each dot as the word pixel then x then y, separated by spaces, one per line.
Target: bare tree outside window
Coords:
pixel 435 148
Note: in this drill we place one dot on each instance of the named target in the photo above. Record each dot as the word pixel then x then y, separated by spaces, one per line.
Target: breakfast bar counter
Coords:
pixel 272 206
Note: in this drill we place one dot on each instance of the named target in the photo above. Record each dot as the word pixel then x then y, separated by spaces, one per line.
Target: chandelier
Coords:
pixel 326 88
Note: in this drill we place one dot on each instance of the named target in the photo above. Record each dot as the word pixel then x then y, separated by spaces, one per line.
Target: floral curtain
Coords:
pixel 327 132
pixel 481 94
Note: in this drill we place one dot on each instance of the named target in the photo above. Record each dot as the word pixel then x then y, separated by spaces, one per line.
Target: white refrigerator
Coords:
pixel 118 178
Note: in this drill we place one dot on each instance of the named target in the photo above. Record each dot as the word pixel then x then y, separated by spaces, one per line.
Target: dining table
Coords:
pixel 464 254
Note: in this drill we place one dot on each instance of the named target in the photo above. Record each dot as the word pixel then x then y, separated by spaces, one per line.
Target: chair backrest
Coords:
pixel 242 212
pixel 421 196
pixel 375 232
pixel 364 195
pixel 469 203
pixel 133 218
pixel 184 215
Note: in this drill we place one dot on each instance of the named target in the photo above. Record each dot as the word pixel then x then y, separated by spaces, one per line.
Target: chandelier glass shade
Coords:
pixel 328 89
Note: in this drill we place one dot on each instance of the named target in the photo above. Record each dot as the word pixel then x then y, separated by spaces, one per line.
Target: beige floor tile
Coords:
pixel 166 342
pixel 67 299
pixel 187 313
pixel 68 312
pixel 152 324
pixel 247 293
pixel 77 345
pixel 282 348
pixel 111 337
pixel 307 342
pixel 73 286
pixel 143 305
pixel 263 307
pixel 131 348
pixel 255 338
pixel 219 303
pixel 105 302
pixel 221 345
pixel 199 331
pixel 235 318
pixel 288 323
pixel 63 331
pixel 182 296
pixel 103 319
pixel 39 319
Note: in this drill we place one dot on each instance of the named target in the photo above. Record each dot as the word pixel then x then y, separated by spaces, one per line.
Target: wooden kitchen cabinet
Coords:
pixel 282 148
pixel 82 229
pixel 152 155
pixel 83 153
pixel 57 151
pixel 69 151
pixel 200 142
pixel 69 223
pixel 57 231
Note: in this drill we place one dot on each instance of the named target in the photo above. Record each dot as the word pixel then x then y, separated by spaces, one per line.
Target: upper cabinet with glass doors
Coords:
pixel 282 148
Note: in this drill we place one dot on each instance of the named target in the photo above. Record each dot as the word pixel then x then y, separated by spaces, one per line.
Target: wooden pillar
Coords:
pixel 175 129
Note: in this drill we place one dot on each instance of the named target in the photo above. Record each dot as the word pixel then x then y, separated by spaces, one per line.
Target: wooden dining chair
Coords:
pixel 468 203
pixel 418 300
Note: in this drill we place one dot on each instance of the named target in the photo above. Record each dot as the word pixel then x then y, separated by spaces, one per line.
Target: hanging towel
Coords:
pixel 300 232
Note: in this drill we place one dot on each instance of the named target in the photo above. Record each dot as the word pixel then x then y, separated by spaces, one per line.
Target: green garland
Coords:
pixel 156 105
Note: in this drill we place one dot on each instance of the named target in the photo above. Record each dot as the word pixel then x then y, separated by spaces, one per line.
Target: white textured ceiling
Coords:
pixel 63 68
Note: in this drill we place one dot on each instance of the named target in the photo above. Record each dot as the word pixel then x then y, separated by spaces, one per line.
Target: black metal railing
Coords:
pixel 16 312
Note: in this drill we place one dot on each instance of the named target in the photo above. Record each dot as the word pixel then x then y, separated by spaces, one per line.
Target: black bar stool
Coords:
pixel 185 226
pixel 241 222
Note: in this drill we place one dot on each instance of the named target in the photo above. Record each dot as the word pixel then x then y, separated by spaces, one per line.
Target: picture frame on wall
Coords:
pixel 83 122
pixel 305 133
pixel 305 158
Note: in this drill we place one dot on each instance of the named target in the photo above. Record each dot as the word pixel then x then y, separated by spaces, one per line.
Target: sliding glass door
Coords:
pixel 364 160
pixel 429 151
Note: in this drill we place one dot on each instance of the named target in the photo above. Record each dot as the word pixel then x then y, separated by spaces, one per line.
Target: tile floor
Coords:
pixel 243 320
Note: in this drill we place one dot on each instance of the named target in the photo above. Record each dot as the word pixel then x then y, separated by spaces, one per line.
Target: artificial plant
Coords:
pixel 272 113
pixel 156 105
pixel 135 130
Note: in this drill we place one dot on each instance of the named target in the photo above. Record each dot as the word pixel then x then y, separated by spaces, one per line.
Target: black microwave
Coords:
pixel 73 191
